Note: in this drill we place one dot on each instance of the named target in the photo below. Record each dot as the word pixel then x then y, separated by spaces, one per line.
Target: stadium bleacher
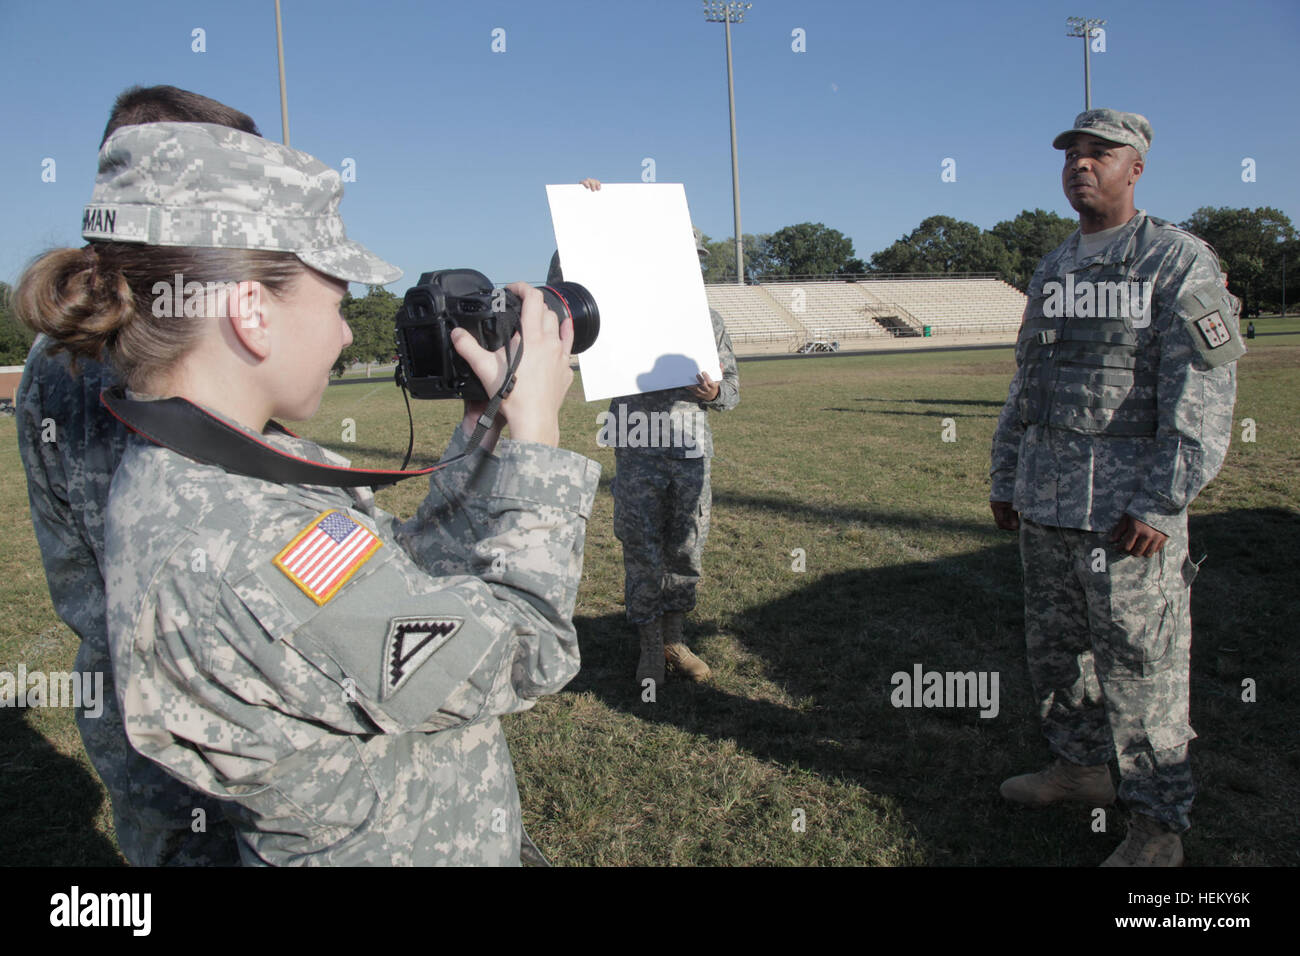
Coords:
pixel 752 316
pixel 955 306
pixel 867 308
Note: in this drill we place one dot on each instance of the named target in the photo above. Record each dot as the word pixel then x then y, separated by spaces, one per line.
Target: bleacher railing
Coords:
pixel 861 276
pixel 763 336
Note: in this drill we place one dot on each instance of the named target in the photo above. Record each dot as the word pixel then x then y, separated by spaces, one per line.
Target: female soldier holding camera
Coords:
pixel 331 672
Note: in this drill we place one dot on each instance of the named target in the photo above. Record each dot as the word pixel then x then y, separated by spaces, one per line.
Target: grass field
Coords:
pixel 841 457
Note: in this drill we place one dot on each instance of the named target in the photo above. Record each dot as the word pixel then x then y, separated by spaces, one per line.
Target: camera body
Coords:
pixel 447 299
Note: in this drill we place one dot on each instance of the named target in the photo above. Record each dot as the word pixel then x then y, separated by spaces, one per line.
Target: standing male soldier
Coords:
pixel 71 446
pixel 663 502
pixel 1119 414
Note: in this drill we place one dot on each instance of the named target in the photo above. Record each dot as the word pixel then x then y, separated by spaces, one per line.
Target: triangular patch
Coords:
pixel 411 641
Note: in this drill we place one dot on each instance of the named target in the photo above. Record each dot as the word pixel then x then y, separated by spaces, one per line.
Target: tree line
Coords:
pixel 1254 246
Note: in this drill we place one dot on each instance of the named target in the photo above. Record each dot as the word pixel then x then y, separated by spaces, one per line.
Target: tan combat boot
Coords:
pixel 651 663
pixel 678 655
pixel 1061 781
pixel 1147 844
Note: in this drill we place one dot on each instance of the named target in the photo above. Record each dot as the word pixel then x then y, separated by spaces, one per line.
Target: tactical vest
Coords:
pixel 1091 374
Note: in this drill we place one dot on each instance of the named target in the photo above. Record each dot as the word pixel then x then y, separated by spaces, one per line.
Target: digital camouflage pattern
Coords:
pixel 1079 476
pixel 1114 126
pixel 683 408
pixel 662 510
pixel 360 730
pixel 200 184
pixel 1108 647
pixel 1109 415
pixel 68 483
pixel 662 497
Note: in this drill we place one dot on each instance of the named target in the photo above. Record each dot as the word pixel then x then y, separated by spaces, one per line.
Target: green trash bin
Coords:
pixel 925 331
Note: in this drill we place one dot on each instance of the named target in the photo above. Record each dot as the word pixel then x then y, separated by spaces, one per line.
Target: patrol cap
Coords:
pixel 200 184
pixel 1127 129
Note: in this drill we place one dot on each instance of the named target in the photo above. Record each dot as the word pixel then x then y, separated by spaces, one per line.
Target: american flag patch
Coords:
pixel 326 553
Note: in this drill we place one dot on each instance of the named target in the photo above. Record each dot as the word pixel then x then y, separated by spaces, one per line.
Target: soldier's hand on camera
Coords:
pixel 707 390
pixel 1138 538
pixel 1004 516
pixel 543 376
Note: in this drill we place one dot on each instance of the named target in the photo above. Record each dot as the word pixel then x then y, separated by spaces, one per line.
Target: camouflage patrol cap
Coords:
pixel 1127 129
pixel 700 248
pixel 199 184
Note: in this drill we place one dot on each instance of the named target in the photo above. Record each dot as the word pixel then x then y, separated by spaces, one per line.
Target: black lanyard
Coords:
pixel 187 429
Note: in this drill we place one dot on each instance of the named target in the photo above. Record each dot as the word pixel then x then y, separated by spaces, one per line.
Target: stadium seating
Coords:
pixel 751 315
pixel 954 306
pixel 868 308
pixel 837 310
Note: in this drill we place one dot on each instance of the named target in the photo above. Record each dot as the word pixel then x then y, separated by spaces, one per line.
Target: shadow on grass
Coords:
pixel 895 518
pixel 48 802
pixel 834 645
pixel 943 402
pixel 935 413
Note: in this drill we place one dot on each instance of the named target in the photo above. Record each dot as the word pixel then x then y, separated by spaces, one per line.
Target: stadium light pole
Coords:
pixel 284 96
pixel 1083 27
pixel 727 13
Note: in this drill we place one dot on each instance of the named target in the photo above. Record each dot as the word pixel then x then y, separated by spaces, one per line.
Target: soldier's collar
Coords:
pixel 1121 246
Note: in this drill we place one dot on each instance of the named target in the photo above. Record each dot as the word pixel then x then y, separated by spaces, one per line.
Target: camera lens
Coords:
pixel 573 300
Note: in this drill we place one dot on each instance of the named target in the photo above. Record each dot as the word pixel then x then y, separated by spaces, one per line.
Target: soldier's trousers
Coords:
pixel 154 814
pixel 1109 637
pixel 662 507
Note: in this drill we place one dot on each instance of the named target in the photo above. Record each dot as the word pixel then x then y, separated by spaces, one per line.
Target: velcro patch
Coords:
pixel 411 641
pixel 325 554
pixel 1214 330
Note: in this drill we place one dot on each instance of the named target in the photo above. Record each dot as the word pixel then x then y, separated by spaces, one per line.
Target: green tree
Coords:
pixel 371 319
pixel 15 338
pixel 1251 244
pixel 812 248
pixel 1029 237
pixel 944 244
pixel 720 264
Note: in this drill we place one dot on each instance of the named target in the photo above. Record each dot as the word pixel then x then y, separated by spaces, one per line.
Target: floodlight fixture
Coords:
pixel 1083 27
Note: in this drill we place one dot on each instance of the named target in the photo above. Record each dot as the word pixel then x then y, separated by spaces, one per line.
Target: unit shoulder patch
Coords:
pixel 324 555
pixel 410 642
pixel 1213 330
pixel 1208 311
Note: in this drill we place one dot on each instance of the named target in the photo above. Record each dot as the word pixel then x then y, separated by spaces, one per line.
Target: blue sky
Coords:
pixel 453 143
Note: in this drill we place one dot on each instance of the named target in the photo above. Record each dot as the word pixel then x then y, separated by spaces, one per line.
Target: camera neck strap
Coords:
pixel 189 430
pixel 185 428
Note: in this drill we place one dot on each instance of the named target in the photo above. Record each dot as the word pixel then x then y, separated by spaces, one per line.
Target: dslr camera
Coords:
pixel 428 365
